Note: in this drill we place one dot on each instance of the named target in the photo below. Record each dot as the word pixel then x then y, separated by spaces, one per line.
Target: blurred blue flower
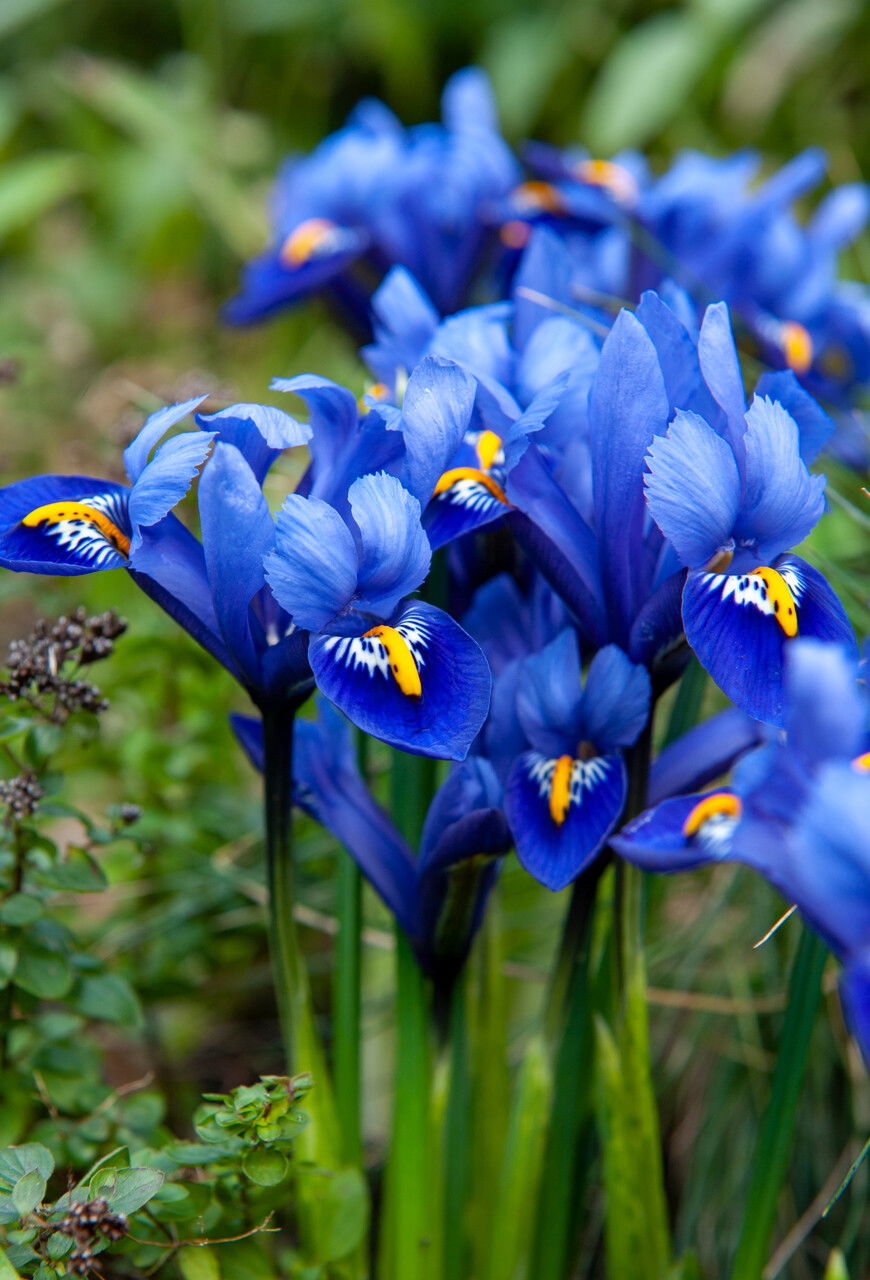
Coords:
pixel 374 194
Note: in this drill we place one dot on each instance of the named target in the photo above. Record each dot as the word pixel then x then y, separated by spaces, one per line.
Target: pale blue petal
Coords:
pixel 693 488
pixel 395 551
pixel 435 415
pixel 616 700
pixel 313 569
pixel 166 479
pixel 155 426
pixel 782 502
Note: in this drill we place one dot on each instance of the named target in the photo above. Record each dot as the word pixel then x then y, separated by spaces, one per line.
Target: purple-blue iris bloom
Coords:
pixel 216 590
pixel 401 669
pixel 719 483
pixel 375 194
pixel 731 492
pixel 560 745
pixel 796 812
pixel 438 897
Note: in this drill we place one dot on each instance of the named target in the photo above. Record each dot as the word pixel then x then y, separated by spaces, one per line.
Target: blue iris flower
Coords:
pixel 438 897
pixel 567 783
pixel 216 590
pixel 401 669
pixel 731 498
pixel 796 812
pixel 375 194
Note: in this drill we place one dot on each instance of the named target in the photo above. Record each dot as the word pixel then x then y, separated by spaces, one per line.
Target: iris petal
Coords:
pixel 155 426
pixel 313 569
pixel 555 853
pixel 782 502
pixel 693 488
pixel 395 551
pixel 656 841
pixel 166 479
pixel 78 524
pixel 355 673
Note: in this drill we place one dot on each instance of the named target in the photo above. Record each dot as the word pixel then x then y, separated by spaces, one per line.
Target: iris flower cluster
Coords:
pixel 604 501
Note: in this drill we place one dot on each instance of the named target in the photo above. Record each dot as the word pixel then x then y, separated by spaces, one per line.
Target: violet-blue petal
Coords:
pixel 467 102
pixel 730 624
pixel 855 994
pixel 815 427
pixel 628 406
pixel 616 700
pixel 819 610
pixel 469 503
pixel 693 488
pixel 828 866
pixel 841 216
pixel 556 854
pixel 165 480
pixel 169 566
pixel 313 568
pixel 435 415
pixel 395 552
pixel 702 754
pixel 827 718
pixel 355 673
pixel 678 356
pixel 259 431
pixel 549 697
pixel 67 545
pixel 720 367
pixel 237 532
pixel 655 841
pixel 782 502
pixel 155 426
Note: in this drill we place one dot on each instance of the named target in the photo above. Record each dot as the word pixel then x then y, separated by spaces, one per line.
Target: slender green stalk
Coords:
pixel 410 1162
pixel 569 1012
pixel 347 1006
pixel 686 708
pixel 457 1148
pixel 286 963
pixel 773 1147
pixel 406 1252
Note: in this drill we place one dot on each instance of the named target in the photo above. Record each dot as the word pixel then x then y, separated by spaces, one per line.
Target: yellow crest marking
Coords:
pixel 560 789
pixel 784 609
pixel 862 763
pixel 539 196
pixel 452 477
pixel 304 241
pixel 401 659
pixel 488 448
pixel 797 346
pixel 604 173
pixel 721 802
pixel 56 512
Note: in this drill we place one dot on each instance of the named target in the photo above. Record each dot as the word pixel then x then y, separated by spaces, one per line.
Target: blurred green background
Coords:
pixel 137 146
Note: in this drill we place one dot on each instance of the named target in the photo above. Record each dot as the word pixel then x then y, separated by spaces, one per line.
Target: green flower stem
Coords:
pixel 773 1147
pixel 290 987
pixel 410 1155
pixel 456 1145
pixel 408 1217
pixel 346 1006
pixel 569 1019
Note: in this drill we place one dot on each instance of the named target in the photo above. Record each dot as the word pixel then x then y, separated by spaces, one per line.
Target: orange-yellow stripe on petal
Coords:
pixel 560 789
pixel 604 173
pixel 401 659
pixel 721 802
pixel 784 608
pixel 452 477
pixel 488 448
pixel 538 196
pixel 57 512
pixel 305 240
pixel 797 346
pixel 862 763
